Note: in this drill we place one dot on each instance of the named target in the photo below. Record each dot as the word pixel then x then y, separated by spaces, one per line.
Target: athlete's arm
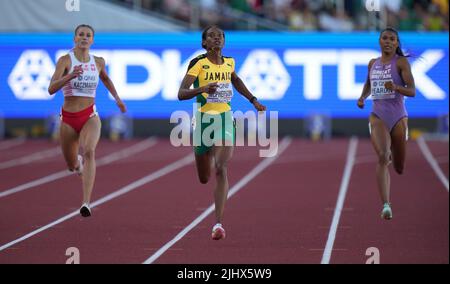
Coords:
pixel 59 79
pixel 109 84
pixel 242 89
pixel 366 89
pixel 409 89
pixel 185 93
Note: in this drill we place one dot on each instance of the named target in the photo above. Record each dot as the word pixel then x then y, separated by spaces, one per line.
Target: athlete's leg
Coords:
pixel 398 136
pixel 89 136
pixel 222 154
pixel 381 142
pixel 69 146
pixel 203 163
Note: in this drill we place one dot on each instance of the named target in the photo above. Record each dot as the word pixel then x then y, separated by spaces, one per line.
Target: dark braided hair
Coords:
pixel 84 26
pixel 205 32
pixel 399 50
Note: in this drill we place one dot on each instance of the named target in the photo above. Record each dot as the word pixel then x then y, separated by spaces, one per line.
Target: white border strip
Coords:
pixel 341 198
pixel 251 175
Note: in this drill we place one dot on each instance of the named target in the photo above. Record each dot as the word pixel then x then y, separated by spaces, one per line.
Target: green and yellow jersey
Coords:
pixel 207 72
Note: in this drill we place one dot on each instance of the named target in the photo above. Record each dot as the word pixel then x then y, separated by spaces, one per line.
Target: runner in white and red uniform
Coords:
pixel 77 74
pixel 84 85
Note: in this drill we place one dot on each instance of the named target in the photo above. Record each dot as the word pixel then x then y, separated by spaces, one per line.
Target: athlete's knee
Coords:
pixel 384 158
pixel 72 165
pixel 72 168
pixel 89 154
pixel 203 178
pixel 221 169
pixel 399 168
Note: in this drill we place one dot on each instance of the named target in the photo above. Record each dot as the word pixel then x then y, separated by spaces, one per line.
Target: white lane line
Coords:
pixel 30 158
pixel 136 148
pixel 126 189
pixel 430 159
pixel 11 143
pixel 251 175
pixel 341 198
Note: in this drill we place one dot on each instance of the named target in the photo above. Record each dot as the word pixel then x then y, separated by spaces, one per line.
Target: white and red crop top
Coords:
pixel 84 85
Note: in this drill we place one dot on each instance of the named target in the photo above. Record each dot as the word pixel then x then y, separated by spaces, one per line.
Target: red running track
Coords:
pixel 282 215
pixel 419 231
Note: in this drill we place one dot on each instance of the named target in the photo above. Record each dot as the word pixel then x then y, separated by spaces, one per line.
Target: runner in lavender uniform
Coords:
pixel 388 81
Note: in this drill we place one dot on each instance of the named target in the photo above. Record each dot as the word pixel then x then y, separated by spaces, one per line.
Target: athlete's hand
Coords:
pixel 258 106
pixel 77 71
pixel 390 86
pixel 360 103
pixel 210 88
pixel 121 106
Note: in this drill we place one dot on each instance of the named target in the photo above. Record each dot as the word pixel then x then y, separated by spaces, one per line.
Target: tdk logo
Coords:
pixel 264 74
pixel 264 71
pixel 31 76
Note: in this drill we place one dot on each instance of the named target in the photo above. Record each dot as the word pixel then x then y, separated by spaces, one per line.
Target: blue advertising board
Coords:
pixel 296 74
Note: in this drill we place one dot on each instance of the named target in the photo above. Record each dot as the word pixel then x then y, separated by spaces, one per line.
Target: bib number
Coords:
pixel 223 94
pixel 379 92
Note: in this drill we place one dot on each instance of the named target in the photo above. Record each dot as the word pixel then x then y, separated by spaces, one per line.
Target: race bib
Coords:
pixel 223 94
pixel 379 92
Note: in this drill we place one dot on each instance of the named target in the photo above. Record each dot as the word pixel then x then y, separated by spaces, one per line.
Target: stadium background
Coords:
pixel 313 202
pixel 301 58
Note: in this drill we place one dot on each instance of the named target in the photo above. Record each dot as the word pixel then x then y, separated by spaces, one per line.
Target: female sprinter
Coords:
pixel 213 76
pixel 77 73
pixel 388 81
